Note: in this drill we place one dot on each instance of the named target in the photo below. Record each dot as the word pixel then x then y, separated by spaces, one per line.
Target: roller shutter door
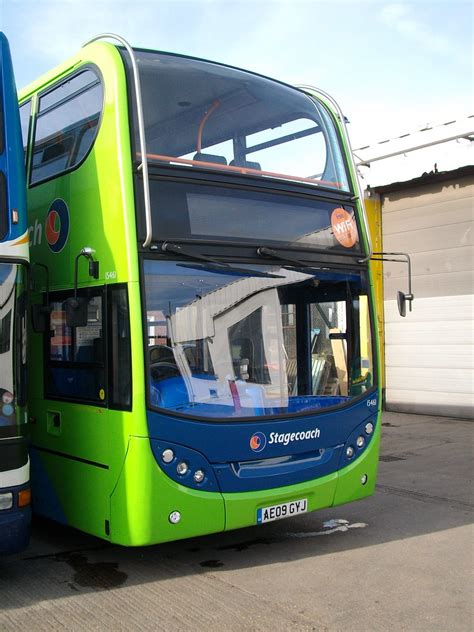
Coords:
pixel 429 355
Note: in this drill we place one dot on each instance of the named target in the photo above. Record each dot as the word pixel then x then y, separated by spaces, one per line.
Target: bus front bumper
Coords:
pixel 148 507
pixel 14 530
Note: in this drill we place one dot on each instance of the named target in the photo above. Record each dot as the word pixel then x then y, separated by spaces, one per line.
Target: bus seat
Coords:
pixel 245 164
pixel 218 160
pixel 160 353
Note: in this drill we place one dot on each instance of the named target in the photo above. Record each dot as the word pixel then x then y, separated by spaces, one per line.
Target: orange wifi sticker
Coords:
pixel 344 227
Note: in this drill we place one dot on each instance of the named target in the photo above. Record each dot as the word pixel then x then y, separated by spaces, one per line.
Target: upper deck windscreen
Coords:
pixel 202 115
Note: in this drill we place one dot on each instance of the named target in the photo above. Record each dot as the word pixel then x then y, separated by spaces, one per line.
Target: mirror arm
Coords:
pixel 388 256
pixel 87 253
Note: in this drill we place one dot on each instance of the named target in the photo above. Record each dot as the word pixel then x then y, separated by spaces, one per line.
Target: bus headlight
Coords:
pixel 182 468
pixel 350 452
pixel 198 476
pixel 369 428
pixel 6 501
pixel 360 441
pixel 167 455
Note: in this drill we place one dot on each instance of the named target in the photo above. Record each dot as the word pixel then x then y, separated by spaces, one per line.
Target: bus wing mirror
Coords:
pixel 401 257
pixel 76 312
pixel 40 320
pixel 94 269
pixel 402 303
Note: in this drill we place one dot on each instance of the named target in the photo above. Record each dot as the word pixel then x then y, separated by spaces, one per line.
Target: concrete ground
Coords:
pixel 401 560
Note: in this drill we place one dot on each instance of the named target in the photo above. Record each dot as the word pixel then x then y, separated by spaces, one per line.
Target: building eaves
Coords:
pixel 426 178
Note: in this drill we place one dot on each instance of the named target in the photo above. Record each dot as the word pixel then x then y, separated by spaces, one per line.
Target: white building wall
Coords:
pixel 429 355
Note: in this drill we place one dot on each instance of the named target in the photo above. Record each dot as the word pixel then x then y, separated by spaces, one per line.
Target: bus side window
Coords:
pixel 75 357
pixel 120 374
pixel 66 125
pixel 25 113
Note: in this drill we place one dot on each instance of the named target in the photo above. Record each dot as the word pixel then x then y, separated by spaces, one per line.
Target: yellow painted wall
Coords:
pixel 373 208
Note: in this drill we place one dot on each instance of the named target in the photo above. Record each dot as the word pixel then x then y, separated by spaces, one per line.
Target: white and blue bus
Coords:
pixel 15 495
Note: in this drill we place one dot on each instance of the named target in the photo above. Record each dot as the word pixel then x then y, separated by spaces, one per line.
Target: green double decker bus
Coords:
pixel 203 343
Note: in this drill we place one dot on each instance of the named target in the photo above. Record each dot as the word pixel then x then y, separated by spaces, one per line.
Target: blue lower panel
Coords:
pixel 14 530
pixel 45 498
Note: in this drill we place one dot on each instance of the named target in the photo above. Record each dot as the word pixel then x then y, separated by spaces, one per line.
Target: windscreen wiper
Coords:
pixel 209 263
pixel 288 261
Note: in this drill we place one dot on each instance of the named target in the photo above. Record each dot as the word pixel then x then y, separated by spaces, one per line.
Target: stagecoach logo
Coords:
pixel 258 441
pixel 57 225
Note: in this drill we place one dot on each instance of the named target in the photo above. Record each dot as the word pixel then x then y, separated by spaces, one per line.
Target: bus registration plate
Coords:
pixel 285 510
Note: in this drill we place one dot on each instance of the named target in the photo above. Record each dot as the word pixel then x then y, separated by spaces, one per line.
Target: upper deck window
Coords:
pixel 66 125
pixel 202 115
pixel 25 114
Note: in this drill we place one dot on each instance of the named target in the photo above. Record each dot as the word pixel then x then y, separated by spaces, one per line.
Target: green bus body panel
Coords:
pixel 99 193
pixel 144 497
pixel 349 487
pixel 100 198
pixel 124 496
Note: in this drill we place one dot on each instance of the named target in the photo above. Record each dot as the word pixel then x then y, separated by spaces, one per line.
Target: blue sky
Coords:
pixel 393 66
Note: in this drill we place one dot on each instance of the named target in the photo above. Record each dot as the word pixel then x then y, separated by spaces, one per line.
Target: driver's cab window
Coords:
pixel 76 355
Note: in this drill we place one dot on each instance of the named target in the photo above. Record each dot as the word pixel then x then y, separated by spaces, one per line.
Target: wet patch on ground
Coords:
pixel 87 574
pixel 338 525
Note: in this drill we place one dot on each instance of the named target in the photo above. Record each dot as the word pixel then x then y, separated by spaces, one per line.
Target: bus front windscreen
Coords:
pixel 12 348
pixel 202 115
pixel 224 344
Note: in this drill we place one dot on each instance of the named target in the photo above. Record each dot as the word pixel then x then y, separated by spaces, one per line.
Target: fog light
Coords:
pixel 360 441
pixel 198 476
pixel 369 428
pixel 167 455
pixel 182 468
pixel 174 517
pixel 350 452
pixel 364 479
pixel 6 501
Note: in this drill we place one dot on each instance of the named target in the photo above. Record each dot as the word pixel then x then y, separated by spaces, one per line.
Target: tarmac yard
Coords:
pixel 401 560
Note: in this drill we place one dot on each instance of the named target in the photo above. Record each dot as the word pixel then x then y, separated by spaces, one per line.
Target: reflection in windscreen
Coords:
pixel 224 345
